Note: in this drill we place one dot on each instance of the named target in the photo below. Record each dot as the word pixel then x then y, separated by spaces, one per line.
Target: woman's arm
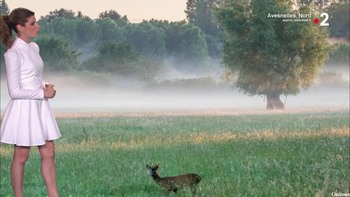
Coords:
pixel 12 62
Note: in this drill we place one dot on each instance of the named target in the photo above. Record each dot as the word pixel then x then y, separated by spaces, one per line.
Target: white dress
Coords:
pixel 28 119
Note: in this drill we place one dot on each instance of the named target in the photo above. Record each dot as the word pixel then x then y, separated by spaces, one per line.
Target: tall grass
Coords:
pixel 244 155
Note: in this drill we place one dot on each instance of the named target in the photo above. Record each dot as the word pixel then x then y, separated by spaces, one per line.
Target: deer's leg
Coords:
pixel 194 191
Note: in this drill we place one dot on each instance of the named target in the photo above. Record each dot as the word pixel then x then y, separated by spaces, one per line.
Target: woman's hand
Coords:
pixel 49 91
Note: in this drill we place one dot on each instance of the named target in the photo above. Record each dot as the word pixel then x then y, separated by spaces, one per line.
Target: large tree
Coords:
pixel 269 55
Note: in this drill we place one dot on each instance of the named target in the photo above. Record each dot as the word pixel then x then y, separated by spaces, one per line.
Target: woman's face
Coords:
pixel 30 30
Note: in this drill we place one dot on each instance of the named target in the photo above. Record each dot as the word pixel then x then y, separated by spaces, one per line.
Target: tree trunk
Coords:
pixel 274 101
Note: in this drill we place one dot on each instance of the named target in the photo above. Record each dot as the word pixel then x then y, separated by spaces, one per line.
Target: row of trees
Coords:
pixel 185 42
pixel 262 56
pixel 155 38
pixel 71 40
pixel 102 41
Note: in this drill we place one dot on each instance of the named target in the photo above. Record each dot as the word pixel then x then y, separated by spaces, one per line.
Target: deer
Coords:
pixel 174 183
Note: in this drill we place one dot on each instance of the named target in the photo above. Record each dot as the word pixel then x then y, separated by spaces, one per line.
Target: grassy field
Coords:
pixel 282 154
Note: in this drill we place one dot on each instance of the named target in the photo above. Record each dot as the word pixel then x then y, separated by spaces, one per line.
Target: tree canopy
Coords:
pixel 271 56
pixel 56 54
pixel 201 14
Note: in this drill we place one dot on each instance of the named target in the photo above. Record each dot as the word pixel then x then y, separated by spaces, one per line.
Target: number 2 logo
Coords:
pixel 325 17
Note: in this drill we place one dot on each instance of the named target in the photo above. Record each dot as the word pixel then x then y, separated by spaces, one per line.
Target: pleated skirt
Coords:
pixel 28 123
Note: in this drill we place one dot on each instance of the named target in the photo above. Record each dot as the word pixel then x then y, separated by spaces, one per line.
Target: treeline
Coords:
pixel 112 36
pixel 112 44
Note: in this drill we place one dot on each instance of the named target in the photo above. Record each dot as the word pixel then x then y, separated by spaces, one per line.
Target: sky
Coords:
pixel 135 10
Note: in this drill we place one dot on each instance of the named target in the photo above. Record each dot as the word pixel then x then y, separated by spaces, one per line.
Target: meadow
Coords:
pixel 268 154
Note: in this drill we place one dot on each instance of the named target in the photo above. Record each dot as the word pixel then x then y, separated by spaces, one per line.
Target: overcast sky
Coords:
pixel 135 10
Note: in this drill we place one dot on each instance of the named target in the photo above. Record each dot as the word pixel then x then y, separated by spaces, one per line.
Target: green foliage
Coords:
pixel 86 31
pixel 339 20
pixel 61 13
pixel 56 54
pixel 112 14
pixel 114 58
pixel 146 38
pixel 154 41
pixel 109 31
pixel 174 35
pixel 241 155
pixel 81 33
pixel 148 69
pixel 201 13
pixel 339 55
pixel 186 42
pixel 63 28
pixel 192 84
pixel 179 43
pixel 214 46
pixel 270 55
pixel 193 45
pixel 120 59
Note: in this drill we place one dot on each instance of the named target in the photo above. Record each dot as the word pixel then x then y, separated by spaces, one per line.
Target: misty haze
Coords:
pixel 83 92
pixel 110 64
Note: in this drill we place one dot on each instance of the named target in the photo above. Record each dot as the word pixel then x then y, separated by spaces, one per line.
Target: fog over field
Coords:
pixel 88 92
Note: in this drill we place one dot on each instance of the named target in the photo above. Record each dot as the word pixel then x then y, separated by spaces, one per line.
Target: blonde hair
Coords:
pixel 9 23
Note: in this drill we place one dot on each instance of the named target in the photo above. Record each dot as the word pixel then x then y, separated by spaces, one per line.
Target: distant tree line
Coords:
pixel 79 42
pixel 192 41
pixel 262 56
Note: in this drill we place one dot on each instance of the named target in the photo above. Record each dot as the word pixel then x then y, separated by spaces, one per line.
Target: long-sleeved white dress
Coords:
pixel 28 119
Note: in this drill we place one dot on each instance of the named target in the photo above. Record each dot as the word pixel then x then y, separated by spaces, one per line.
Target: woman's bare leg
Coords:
pixel 20 157
pixel 48 168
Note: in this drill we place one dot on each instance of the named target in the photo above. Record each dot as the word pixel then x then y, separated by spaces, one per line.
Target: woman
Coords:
pixel 28 119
